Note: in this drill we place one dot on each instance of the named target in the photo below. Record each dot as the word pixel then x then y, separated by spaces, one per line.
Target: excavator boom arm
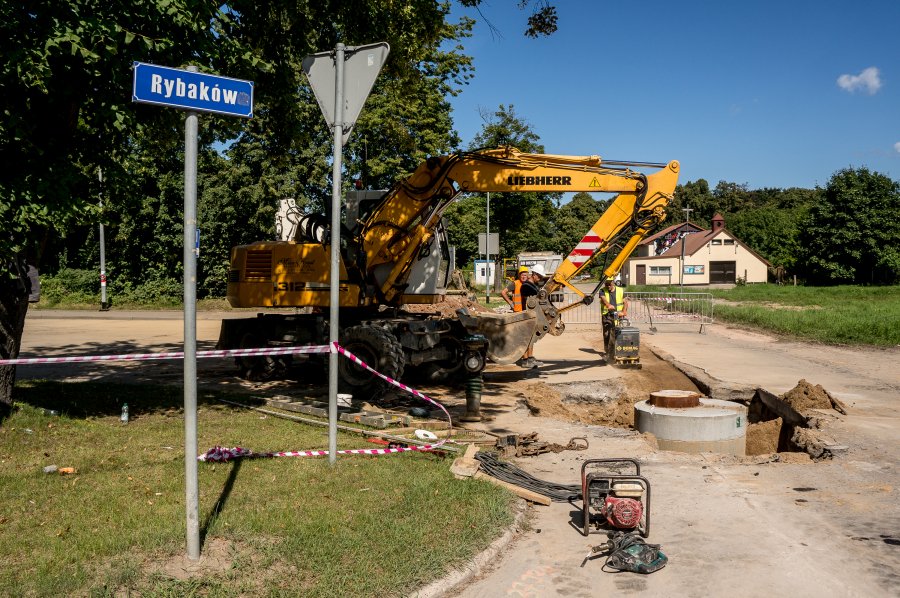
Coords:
pixel 406 218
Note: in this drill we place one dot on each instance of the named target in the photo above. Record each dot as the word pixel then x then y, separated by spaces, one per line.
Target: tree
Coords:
pixel 772 232
pixel 542 21
pixel 67 71
pixel 852 235
pixel 521 218
pixel 695 195
pixel 65 76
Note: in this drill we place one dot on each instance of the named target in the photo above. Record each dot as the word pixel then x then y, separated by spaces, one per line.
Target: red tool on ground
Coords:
pixel 615 499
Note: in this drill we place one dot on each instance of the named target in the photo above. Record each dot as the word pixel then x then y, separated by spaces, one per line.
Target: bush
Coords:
pixel 71 286
pixel 155 292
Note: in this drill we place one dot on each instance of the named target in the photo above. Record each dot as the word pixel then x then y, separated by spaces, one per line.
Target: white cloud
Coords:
pixel 897 147
pixel 869 80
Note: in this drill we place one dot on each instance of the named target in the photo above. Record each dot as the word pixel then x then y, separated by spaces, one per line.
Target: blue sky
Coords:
pixel 771 94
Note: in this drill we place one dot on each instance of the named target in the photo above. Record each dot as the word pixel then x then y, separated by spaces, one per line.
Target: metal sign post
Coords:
pixel 487 254
pixel 341 90
pixel 104 304
pixel 192 91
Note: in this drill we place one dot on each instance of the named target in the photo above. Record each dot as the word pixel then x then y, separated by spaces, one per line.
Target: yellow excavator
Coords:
pixel 394 252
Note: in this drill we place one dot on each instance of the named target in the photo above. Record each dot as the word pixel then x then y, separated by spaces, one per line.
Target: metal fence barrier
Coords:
pixel 670 308
pixel 653 309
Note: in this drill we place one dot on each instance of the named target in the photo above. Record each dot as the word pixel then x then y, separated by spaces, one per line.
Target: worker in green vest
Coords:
pixel 615 306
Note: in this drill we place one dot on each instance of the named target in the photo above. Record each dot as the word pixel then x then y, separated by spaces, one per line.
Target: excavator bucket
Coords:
pixel 508 334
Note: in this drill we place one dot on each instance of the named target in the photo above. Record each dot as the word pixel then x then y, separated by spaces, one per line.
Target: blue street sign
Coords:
pixel 178 88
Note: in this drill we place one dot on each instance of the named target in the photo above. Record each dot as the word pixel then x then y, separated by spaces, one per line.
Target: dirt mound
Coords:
pixel 762 437
pixel 447 308
pixel 805 396
pixel 606 403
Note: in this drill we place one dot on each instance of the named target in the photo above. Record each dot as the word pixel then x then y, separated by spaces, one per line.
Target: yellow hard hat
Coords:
pixel 522 269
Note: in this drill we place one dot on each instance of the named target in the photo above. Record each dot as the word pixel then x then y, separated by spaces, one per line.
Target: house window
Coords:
pixel 660 270
pixel 716 242
pixel 729 241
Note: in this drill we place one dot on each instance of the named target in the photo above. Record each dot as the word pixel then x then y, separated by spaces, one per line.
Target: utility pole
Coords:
pixel 104 304
pixel 487 254
pixel 687 214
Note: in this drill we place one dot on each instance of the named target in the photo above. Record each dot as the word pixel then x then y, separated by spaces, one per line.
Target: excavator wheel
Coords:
pixel 259 368
pixel 379 349
pixel 445 370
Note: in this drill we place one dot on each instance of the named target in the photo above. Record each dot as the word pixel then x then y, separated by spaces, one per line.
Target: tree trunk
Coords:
pixel 13 307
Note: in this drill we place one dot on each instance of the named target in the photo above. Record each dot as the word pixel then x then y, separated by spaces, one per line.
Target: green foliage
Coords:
pixel 77 288
pixel 771 232
pixel 66 74
pixel 520 218
pixel 72 286
pixel 77 95
pixel 853 234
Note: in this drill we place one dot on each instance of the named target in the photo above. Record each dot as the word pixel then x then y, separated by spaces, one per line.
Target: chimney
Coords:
pixel 718 223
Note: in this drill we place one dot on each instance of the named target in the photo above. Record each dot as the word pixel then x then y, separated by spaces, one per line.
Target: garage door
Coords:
pixel 721 272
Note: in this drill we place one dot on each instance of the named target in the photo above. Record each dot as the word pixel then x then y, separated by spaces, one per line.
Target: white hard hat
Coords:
pixel 539 270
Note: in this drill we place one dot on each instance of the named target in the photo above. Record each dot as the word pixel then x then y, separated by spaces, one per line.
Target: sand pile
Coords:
pixel 805 396
pixel 448 307
pixel 762 437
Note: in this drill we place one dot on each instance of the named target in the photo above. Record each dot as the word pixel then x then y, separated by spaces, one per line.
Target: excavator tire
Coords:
pixel 444 371
pixel 259 368
pixel 379 349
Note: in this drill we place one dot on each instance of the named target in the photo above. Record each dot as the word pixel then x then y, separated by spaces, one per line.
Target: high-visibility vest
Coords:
pixel 619 302
pixel 518 304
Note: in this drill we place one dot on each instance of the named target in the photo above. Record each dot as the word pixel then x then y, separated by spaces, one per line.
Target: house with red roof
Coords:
pixel 687 254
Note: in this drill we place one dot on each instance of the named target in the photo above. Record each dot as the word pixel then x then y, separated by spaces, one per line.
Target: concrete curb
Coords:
pixel 479 563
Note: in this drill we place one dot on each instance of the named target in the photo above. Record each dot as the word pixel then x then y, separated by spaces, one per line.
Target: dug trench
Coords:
pixel 787 428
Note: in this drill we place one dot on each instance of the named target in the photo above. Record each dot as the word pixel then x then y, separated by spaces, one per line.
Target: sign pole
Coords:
pixel 687 214
pixel 487 253
pixel 335 241
pixel 326 72
pixel 192 495
pixel 193 92
pixel 104 305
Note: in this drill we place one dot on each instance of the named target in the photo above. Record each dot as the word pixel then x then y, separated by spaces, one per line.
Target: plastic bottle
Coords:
pixel 124 417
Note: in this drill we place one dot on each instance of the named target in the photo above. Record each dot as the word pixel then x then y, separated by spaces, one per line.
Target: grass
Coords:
pixel 839 315
pixel 293 526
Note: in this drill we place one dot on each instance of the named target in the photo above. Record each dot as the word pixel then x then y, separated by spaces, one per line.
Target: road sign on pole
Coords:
pixel 341 81
pixel 192 91
pixel 188 90
pixel 361 67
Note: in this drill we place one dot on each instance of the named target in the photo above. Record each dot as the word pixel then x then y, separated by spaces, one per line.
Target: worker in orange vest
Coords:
pixel 512 294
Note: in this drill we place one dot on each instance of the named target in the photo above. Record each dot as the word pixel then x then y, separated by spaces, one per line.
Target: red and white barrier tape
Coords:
pixel 390 380
pixel 221 454
pixel 170 355
pixel 224 454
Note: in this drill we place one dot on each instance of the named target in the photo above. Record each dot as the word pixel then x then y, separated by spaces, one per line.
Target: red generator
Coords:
pixel 614 496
